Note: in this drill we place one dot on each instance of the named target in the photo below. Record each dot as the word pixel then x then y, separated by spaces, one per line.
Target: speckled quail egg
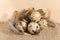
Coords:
pixel 21 26
pixel 33 28
pixel 43 23
pixel 35 16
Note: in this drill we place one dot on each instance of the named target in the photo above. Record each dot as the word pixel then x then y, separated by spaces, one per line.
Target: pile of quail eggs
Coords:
pixel 32 21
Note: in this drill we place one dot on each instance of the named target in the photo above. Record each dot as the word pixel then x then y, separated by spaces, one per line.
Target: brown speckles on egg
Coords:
pixel 33 27
pixel 35 16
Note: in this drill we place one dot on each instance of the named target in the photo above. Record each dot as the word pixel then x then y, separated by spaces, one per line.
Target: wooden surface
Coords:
pixel 46 34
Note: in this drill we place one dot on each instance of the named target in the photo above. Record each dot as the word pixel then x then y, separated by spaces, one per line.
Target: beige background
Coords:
pixel 8 6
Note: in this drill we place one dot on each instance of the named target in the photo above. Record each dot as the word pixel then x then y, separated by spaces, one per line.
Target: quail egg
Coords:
pixel 35 16
pixel 43 23
pixel 21 26
pixel 33 28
